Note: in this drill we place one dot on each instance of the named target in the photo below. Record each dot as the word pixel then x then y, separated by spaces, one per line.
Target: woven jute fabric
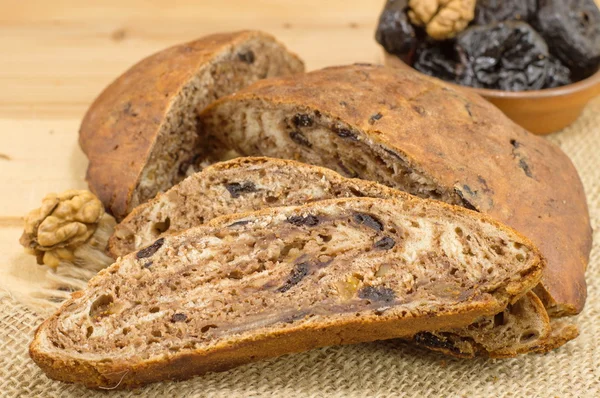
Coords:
pixel 380 369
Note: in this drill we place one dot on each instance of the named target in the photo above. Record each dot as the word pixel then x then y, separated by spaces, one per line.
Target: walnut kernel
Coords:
pixel 443 19
pixel 63 222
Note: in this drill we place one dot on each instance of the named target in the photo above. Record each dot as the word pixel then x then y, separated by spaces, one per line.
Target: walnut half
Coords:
pixel 443 19
pixel 64 222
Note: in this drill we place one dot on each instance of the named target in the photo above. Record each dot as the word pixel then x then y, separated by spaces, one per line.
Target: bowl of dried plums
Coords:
pixel 536 60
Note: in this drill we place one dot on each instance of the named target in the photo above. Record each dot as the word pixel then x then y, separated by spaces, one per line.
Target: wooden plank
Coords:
pixel 59 55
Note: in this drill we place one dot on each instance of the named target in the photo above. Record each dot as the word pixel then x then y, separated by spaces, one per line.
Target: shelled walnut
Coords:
pixel 442 19
pixel 62 224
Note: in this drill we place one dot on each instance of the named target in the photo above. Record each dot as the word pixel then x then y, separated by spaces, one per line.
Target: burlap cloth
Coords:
pixel 381 369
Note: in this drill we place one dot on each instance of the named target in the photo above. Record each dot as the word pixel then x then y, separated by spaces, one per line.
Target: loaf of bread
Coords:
pixel 248 184
pixel 140 134
pixel 257 285
pixel 422 136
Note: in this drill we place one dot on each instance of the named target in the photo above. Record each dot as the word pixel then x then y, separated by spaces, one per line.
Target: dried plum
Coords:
pixel 150 250
pixel 377 293
pixel 369 221
pixel 490 11
pixel 509 56
pixel 558 74
pixel 394 30
pixel 302 120
pixel 385 243
pixel 237 188
pixel 309 220
pixel 439 59
pixel 178 317
pixel 572 30
pixel 300 139
pixel 297 274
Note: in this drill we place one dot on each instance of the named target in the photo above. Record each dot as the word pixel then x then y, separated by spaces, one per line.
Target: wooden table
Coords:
pixel 56 56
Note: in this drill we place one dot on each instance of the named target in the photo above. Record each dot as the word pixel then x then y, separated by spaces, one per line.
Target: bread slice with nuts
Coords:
pixel 140 134
pixel 421 135
pixel 257 285
pixel 248 184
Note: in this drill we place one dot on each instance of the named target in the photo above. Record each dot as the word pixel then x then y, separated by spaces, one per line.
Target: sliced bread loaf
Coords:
pixel 257 285
pixel 420 135
pixel 140 134
pixel 247 184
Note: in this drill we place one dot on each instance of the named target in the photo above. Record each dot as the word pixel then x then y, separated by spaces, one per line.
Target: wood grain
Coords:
pixel 58 55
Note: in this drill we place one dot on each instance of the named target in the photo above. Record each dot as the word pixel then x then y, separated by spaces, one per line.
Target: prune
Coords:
pixel 465 203
pixel 385 243
pixel 300 139
pixel 509 56
pixel 345 133
pixel 368 221
pixel 490 11
pixel 439 59
pixel 558 74
pixel 572 30
pixel 377 293
pixel 178 317
pixel 150 250
pixel 297 274
pixel 374 118
pixel 247 57
pixel 239 223
pixel 236 188
pixel 394 30
pixel 432 341
pixel 309 220
pixel 302 120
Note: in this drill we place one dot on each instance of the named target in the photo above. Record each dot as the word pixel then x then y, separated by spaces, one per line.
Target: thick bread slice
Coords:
pixel 248 184
pixel 140 134
pixel 257 285
pixel 420 135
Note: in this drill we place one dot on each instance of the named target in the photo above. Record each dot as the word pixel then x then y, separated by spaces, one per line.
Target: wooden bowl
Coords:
pixel 539 111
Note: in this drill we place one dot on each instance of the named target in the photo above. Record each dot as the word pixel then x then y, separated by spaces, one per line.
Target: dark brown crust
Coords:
pixel 466 145
pixel 119 376
pixel 120 128
pixel 560 334
pixel 127 375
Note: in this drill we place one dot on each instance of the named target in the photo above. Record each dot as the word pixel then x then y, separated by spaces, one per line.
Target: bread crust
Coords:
pixel 228 354
pixel 121 127
pixel 465 145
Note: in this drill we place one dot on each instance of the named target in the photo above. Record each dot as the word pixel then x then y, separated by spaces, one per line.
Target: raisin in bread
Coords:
pixel 420 135
pixel 256 285
pixel 247 184
pixel 140 134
